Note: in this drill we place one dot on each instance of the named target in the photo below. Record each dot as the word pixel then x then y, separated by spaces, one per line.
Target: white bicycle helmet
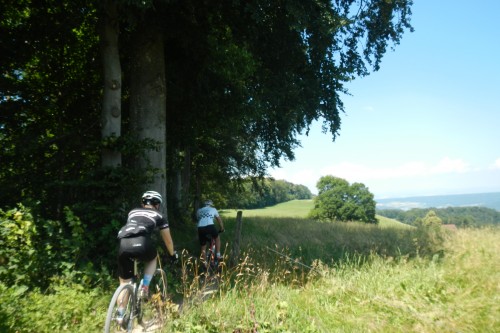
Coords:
pixel 152 197
pixel 209 202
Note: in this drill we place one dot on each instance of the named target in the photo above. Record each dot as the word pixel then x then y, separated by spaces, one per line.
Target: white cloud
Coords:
pixel 307 177
pixel 496 164
pixel 443 175
pixel 358 172
pixel 448 165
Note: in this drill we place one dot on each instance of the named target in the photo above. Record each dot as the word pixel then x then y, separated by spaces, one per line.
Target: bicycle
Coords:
pixel 211 260
pixel 148 310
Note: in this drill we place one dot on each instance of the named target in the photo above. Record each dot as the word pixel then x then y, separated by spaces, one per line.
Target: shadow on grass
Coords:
pixel 307 241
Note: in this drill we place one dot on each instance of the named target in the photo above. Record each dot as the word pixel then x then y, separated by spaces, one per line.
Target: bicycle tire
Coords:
pixel 153 308
pixel 111 325
pixel 211 265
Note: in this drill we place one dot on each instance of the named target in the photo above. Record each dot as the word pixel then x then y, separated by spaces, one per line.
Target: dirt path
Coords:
pixel 209 288
pixel 139 329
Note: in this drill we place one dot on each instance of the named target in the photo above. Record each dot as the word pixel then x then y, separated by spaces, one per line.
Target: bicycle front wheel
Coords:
pixel 154 307
pixel 123 298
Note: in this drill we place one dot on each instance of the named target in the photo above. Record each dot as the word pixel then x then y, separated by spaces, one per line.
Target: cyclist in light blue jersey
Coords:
pixel 206 216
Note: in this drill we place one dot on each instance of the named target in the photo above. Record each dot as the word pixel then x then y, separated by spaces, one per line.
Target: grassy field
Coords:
pixel 298 275
pixel 296 209
pixel 459 293
pixel 304 276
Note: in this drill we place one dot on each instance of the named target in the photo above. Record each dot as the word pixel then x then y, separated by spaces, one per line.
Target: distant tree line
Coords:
pixel 460 216
pixel 252 194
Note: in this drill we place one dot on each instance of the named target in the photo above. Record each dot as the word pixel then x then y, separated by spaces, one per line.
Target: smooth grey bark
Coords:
pixel 181 183
pixel 148 102
pixel 111 102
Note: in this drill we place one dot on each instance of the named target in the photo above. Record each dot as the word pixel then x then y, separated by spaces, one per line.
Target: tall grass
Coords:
pixel 309 240
pixel 297 275
pixel 455 293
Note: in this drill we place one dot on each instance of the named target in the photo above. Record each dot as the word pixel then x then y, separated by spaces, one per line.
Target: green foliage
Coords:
pixel 244 80
pixel 49 88
pixel 337 200
pixel 267 71
pixel 35 252
pixel 17 250
pixel 460 216
pixel 430 220
pixel 69 308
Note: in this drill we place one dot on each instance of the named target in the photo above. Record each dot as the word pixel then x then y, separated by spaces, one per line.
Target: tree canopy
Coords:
pixel 100 100
pixel 337 200
pixel 228 87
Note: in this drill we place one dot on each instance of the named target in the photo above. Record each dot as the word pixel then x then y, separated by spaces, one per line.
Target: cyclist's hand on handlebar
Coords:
pixel 174 258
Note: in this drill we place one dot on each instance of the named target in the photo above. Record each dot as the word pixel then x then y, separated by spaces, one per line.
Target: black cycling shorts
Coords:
pixel 208 230
pixel 140 247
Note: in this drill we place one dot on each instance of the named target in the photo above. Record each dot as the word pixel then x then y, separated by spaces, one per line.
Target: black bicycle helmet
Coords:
pixel 152 198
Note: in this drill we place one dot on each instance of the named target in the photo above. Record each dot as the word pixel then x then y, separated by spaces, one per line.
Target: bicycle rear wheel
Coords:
pixel 154 307
pixel 123 297
pixel 211 260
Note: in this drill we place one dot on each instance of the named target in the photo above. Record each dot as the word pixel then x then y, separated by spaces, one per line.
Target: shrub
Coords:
pixel 68 309
pixel 18 255
pixel 33 250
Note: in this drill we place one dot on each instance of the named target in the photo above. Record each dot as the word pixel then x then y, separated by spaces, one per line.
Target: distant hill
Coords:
pixel 292 208
pixel 298 209
pixel 488 200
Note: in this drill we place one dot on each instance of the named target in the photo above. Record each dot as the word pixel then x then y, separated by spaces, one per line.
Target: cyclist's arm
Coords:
pixel 219 220
pixel 167 239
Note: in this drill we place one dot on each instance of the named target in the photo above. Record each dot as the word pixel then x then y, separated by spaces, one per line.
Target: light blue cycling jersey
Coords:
pixel 206 216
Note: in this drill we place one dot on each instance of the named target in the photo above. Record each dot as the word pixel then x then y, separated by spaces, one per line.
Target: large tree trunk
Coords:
pixel 111 103
pixel 148 101
pixel 180 183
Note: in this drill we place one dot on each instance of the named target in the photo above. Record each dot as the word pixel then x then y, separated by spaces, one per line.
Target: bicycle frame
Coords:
pixel 127 296
pixel 211 264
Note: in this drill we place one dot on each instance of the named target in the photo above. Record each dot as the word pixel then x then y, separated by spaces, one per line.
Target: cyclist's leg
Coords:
pixel 212 261
pixel 148 256
pixel 203 251
pixel 215 235
pixel 125 270
pixel 149 268
pixel 203 242
pixel 153 312
pixel 217 247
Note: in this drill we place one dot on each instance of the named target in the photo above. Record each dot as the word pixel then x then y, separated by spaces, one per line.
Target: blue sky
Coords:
pixel 428 122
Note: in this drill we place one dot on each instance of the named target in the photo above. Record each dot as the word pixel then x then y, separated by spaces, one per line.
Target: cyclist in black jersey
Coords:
pixel 136 242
